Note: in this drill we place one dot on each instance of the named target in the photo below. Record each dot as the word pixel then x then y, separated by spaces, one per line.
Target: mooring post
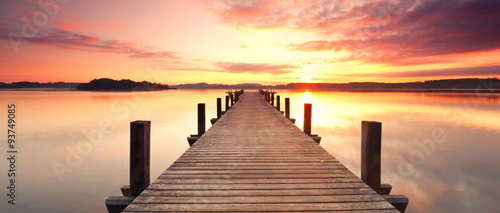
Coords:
pixel 278 107
pixel 272 98
pixel 227 103
pixel 307 118
pixel 287 108
pixel 140 132
pixel 140 135
pixel 201 119
pixel 230 99
pixel 219 107
pixel 371 136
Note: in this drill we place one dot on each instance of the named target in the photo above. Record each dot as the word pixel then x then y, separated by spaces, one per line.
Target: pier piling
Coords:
pixel 219 108
pixel 371 134
pixel 140 132
pixel 307 118
pixel 201 119
pixel 278 103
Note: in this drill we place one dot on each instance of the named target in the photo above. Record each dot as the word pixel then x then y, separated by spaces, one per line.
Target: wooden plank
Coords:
pixel 282 192
pixel 259 181
pixel 258 176
pixel 230 186
pixel 251 171
pixel 262 199
pixel 260 164
pixel 262 207
pixel 244 167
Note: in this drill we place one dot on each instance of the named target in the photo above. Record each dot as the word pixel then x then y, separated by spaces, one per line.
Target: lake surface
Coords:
pixel 438 149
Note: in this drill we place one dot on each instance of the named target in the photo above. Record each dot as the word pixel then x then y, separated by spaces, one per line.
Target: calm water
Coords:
pixel 440 150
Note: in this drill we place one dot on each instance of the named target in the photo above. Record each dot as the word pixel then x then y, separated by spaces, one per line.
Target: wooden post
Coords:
pixel 371 135
pixel 201 119
pixel 219 108
pixel 287 108
pixel 272 98
pixel 227 103
pixel 278 107
pixel 139 156
pixel 230 99
pixel 307 118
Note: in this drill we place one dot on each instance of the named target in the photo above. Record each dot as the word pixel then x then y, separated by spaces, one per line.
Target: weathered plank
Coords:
pixel 254 159
pixel 278 207
pixel 257 181
pixel 250 200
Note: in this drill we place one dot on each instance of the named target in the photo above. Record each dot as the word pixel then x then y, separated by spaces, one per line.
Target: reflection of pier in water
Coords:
pixel 254 159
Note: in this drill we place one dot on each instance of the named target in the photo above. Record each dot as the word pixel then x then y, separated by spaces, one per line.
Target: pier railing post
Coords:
pixel 307 118
pixel 201 119
pixel 287 108
pixel 237 96
pixel 227 103
pixel 139 156
pixel 278 104
pixel 272 98
pixel 219 108
pixel 231 99
pixel 371 135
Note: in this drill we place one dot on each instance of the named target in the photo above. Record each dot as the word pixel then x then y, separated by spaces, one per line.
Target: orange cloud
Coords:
pixel 70 25
pixel 254 68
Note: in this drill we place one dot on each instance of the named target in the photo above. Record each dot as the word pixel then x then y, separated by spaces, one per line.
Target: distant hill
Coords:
pixel 26 84
pixel 106 84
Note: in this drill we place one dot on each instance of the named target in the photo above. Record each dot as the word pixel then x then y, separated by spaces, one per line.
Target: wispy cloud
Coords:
pixel 69 25
pixel 86 26
pixel 254 68
pixel 77 17
pixel 396 32
pixel 452 72
pixel 71 40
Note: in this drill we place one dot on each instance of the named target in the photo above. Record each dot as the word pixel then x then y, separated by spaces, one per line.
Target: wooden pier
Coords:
pixel 254 159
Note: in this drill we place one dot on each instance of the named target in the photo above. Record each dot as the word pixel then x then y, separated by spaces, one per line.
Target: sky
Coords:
pixel 245 41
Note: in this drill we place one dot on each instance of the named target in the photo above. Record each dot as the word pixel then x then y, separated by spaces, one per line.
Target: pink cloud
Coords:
pixel 77 17
pixel 70 40
pixel 110 26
